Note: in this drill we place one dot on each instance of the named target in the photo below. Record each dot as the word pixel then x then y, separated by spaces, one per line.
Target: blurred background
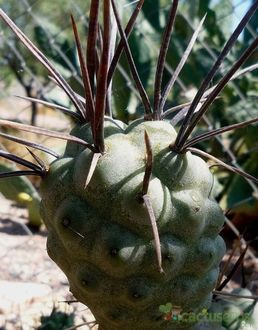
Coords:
pixel 48 25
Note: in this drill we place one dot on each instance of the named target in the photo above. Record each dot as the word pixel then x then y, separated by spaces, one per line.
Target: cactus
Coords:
pixel 107 225
pixel 130 209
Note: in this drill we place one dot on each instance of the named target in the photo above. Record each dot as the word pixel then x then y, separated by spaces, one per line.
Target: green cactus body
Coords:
pixel 101 236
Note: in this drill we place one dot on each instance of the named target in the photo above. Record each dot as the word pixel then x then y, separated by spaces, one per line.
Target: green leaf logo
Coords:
pixel 165 308
pixel 204 311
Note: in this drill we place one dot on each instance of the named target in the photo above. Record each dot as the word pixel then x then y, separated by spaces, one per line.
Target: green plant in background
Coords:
pixel 57 42
pixel 20 190
pixel 57 320
pixel 130 209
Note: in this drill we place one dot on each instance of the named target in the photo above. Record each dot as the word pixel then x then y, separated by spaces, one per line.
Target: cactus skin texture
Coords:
pixel 101 236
